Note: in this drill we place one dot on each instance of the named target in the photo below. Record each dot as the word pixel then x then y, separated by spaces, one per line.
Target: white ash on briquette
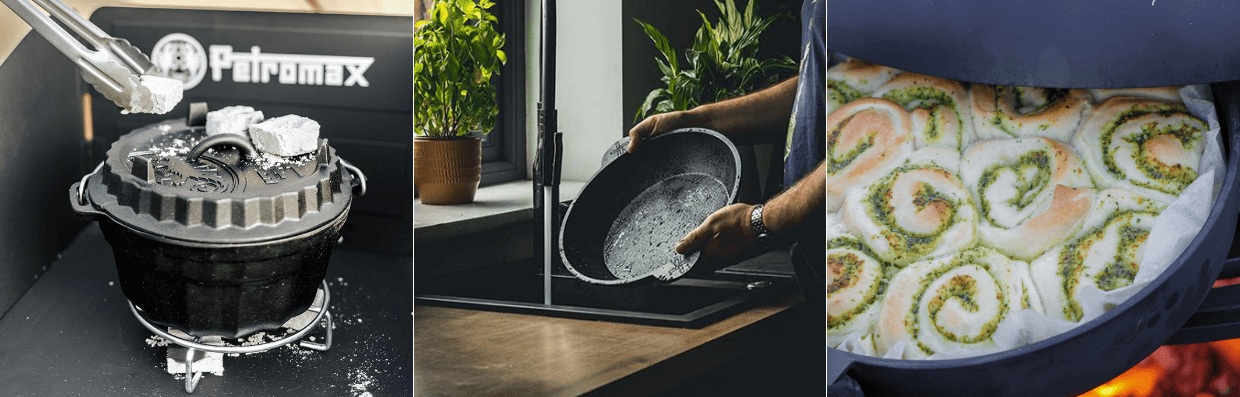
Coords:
pixel 156 95
pixel 268 160
pixel 233 120
pixel 203 361
pixel 287 136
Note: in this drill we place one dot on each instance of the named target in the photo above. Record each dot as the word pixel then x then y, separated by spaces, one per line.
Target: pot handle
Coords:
pixel 358 176
pixel 78 198
pixel 838 365
pixel 1218 318
pixel 240 142
pixel 614 152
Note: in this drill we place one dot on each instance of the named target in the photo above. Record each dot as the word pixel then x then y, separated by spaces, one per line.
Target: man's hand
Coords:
pixel 658 124
pixel 724 238
pixel 759 117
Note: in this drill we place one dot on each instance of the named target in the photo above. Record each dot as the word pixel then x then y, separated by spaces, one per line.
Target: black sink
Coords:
pixel 687 303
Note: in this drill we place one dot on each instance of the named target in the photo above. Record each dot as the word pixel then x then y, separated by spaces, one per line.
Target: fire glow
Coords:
pixel 1200 370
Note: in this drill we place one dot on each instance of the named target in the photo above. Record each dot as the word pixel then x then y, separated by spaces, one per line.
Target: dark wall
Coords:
pixel 679 20
pixel 41 154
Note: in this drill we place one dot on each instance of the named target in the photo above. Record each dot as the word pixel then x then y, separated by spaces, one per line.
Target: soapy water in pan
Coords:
pixel 644 236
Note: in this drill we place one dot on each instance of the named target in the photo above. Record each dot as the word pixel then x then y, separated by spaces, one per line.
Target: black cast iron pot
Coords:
pixel 623 225
pixel 208 237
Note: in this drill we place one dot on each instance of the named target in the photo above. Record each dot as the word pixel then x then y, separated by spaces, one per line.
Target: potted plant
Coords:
pixel 456 53
pixel 722 63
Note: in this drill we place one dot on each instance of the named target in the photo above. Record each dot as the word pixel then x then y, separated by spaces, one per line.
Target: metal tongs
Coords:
pixel 114 68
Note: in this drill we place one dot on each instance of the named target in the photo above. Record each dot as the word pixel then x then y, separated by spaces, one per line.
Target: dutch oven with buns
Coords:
pixel 1062 44
pixel 211 237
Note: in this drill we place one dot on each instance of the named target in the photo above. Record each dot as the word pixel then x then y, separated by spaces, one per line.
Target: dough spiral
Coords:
pixel 1017 112
pixel 1150 147
pixel 940 109
pixel 954 302
pixel 866 139
pixel 1031 193
pixel 854 79
pixel 1105 253
pixel 857 283
pixel 919 210
pixel 1166 94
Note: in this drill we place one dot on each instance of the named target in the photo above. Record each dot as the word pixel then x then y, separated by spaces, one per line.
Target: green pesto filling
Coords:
pixel 1123 268
pixel 912 326
pixel 835 164
pixel 839 93
pixel 1007 123
pixel 933 100
pixel 852 243
pixel 848 263
pixel 1025 303
pixel 1072 259
pixel 1108 130
pixel 927 195
pixel 932 125
pixel 851 272
pixel 905 244
pixel 1027 190
pixel 1168 179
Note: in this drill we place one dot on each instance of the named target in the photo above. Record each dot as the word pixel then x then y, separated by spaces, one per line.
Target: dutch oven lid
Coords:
pixel 154 183
pixel 1053 43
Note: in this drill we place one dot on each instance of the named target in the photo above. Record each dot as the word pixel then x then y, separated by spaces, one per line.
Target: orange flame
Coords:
pixel 1137 382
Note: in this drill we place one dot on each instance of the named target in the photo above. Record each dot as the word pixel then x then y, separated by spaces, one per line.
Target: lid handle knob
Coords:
pixel 142 168
pixel 240 142
pixel 197 115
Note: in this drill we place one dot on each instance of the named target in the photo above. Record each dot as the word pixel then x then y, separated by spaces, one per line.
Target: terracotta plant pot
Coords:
pixel 447 170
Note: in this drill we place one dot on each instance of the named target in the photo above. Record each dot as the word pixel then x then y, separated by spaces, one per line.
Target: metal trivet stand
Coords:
pixel 191 377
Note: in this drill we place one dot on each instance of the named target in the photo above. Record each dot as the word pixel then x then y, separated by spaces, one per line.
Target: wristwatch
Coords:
pixel 765 239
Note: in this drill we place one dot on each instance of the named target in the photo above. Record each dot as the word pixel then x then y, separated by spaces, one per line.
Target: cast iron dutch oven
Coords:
pixel 1060 43
pixel 208 240
pixel 623 225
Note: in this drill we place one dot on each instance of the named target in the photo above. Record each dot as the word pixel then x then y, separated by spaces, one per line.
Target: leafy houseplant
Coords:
pixel 456 53
pixel 721 64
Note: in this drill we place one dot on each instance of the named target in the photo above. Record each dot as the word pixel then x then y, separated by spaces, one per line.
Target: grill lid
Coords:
pixel 171 180
pixel 1053 43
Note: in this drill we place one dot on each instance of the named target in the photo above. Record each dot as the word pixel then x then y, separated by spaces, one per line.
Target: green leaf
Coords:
pixel 467 6
pixel 503 58
pixel 663 67
pixel 660 42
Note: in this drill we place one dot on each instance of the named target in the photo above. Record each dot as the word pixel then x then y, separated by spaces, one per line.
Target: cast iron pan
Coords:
pixel 623 226
pixel 1078 360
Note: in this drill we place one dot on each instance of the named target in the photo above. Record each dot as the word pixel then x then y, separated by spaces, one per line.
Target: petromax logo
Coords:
pixel 181 57
pixel 184 59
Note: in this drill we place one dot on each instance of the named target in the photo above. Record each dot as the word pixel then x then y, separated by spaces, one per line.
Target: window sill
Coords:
pixel 494 207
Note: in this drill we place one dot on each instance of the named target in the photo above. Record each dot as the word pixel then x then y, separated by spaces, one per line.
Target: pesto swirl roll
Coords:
pixel 1105 253
pixel 1150 147
pixel 919 210
pixel 1031 193
pixel 854 79
pixel 940 109
pixel 953 302
pixel 1017 112
pixel 866 139
pixel 1165 94
pixel 857 282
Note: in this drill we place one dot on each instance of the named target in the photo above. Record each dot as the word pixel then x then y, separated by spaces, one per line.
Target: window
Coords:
pixel 503 150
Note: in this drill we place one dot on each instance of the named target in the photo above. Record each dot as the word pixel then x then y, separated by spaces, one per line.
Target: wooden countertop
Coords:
pixel 459 352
